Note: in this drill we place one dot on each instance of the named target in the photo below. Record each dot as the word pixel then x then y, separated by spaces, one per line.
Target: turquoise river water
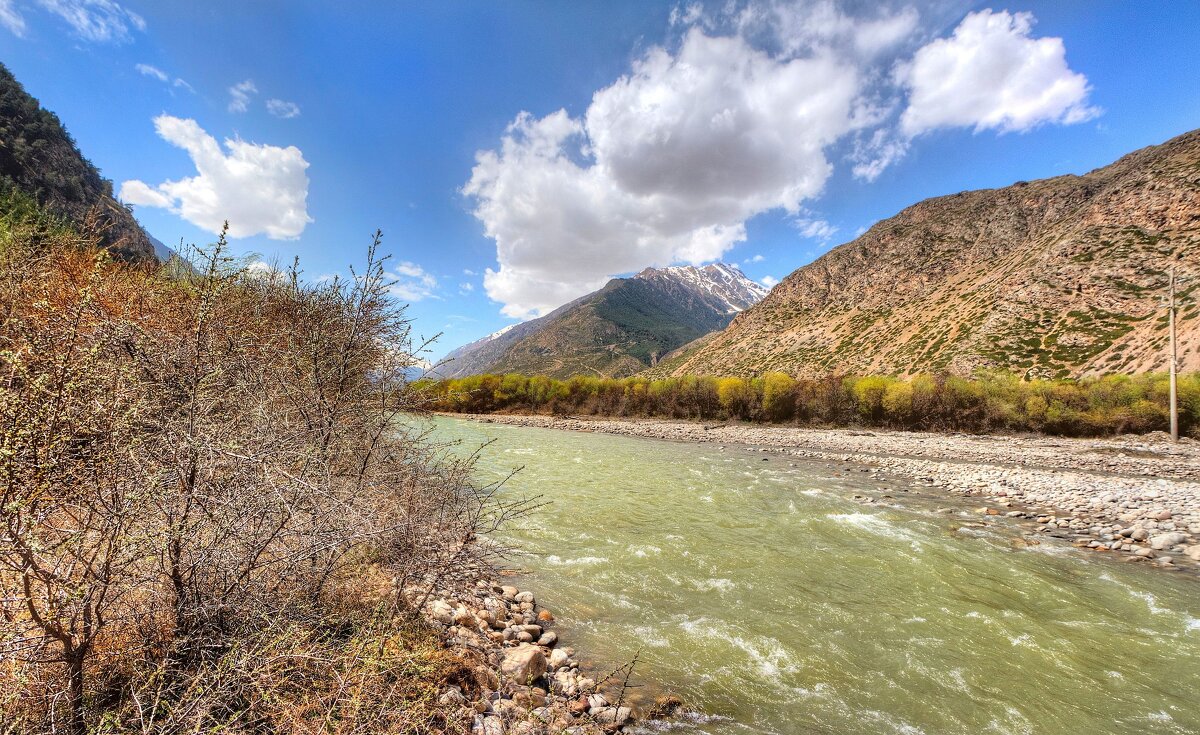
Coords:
pixel 772 602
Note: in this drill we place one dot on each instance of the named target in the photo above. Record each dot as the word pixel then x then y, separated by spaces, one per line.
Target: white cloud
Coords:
pixel 469 272
pixel 755 259
pixel 413 283
pixel 991 74
pixel 152 71
pixel 258 188
pixel 796 27
pixel 768 281
pixel 817 229
pixel 738 113
pixel 139 193
pixel 280 108
pixel 466 287
pixel 97 20
pixel 11 18
pixel 239 95
pixel 665 166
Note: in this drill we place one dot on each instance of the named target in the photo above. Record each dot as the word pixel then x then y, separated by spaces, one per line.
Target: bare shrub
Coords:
pixel 192 466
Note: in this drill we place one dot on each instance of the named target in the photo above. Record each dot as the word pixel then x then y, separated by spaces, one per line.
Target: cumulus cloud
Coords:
pixel 755 259
pixel 992 74
pixel 240 94
pixel 801 27
pixel 11 18
pixel 285 110
pixel 768 281
pixel 413 283
pixel 665 166
pixel 259 189
pixel 100 21
pixel 744 110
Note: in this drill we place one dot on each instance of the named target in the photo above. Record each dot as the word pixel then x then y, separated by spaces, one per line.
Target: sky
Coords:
pixel 516 155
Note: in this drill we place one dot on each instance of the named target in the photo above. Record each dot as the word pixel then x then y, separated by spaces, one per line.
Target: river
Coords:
pixel 769 599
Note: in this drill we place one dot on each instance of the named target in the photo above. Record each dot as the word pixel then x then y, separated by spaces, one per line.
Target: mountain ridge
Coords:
pixel 39 158
pixel 1055 278
pixel 619 330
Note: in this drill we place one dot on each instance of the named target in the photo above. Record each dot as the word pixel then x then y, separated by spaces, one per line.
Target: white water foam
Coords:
pixel 878 525
pixel 582 561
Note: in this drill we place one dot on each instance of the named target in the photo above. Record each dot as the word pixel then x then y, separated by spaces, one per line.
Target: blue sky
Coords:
pixel 517 154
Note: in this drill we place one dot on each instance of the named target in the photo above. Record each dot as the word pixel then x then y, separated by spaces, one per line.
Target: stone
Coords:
pixel 578 706
pixel 524 597
pixel 559 657
pixel 545 616
pixel 1167 540
pixel 1142 551
pixel 548 639
pixel 441 612
pixel 510 592
pixel 524 664
pixel 1192 552
pixel 1139 534
pixel 490 725
pixel 615 716
pixel 452 697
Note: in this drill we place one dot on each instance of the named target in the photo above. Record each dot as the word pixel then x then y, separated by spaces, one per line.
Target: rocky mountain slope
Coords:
pixel 1059 277
pixel 39 158
pixel 619 330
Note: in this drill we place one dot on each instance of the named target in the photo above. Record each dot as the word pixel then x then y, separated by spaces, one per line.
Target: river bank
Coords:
pixel 524 682
pixel 1138 496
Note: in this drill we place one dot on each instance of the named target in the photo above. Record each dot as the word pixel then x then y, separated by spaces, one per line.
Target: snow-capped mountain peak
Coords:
pixel 720 281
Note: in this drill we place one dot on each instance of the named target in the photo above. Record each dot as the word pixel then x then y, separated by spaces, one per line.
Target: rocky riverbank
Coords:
pixel 1138 496
pixel 525 683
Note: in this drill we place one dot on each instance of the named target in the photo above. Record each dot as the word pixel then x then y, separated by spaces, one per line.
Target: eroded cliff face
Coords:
pixel 1059 277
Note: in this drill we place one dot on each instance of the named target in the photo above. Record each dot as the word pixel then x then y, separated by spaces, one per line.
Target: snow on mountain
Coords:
pixel 724 282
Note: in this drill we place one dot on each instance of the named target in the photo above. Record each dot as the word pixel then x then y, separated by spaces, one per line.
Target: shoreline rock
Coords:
pixel 1136 496
pixel 527 684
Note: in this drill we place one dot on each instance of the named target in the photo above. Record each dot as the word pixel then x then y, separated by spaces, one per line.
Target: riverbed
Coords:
pixel 791 595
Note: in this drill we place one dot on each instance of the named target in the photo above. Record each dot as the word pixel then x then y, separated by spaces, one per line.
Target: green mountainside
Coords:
pixel 39 160
pixel 619 330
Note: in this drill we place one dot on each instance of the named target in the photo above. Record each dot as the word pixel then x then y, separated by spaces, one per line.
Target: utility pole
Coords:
pixel 1174 360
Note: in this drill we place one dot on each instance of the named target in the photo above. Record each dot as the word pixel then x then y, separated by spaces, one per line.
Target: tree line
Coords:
pixel 986 402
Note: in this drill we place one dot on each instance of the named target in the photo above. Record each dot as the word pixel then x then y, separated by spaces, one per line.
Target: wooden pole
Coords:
pixel 1174 360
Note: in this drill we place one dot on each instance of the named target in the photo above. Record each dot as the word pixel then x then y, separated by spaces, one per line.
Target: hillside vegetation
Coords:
pixel 990 402
pixel 1063 277
pixel 620 330
pixel 39 159
pixel 209 501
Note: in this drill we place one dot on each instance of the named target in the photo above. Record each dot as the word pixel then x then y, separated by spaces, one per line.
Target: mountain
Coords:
pixel 1060 277
pixel 619 330
pixel 39 158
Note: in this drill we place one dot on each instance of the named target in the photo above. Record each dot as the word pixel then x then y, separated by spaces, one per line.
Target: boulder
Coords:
pixel 1167 540
pixel 615 716
pixel 441 612
pixel 1191 552
pixel 524 664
